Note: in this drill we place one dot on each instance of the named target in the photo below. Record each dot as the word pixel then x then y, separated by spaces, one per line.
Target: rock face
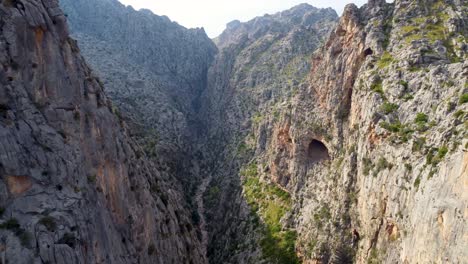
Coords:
pixel 74 187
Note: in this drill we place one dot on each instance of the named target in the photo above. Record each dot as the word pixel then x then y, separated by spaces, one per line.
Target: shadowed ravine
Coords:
pixel 201 212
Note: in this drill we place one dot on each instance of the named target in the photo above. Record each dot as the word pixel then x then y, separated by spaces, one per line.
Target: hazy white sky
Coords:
pixel 213 15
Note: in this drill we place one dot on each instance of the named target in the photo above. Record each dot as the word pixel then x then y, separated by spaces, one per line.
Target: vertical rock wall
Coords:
pixel 74 187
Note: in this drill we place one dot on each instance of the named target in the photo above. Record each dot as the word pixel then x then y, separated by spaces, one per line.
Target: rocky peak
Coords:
pixel 303 15
pixel 233 24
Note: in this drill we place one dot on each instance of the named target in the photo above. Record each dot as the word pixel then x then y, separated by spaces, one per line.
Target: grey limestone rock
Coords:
pixel 75 188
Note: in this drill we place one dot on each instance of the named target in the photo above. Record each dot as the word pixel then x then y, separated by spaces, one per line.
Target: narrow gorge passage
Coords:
pixel 201 211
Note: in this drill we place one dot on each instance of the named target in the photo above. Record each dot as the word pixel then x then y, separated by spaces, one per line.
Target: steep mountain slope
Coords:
pixel 367 159
pixel 153 69
pixel 74 188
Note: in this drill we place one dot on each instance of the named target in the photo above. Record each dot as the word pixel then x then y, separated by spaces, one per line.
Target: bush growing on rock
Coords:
pixel 49 223
pixel 463 98
pixel 388 108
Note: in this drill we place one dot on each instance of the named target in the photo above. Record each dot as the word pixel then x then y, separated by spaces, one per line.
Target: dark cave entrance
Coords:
pixel 317 151
pixel 368 52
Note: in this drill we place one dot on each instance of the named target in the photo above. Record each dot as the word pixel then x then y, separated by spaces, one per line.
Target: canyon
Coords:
pixel 296 137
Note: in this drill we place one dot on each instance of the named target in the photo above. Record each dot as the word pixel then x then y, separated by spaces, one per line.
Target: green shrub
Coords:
pixel 13 225
pixel 417 182
pixel 49 223
pixel 9 3
pixel 382 164
pixel 257 118
pixel 213 193
pixel 2 211
pixel 442 152
pixel 322 214
pixel 377 87
pixel 367 166
pixel 116 111
pixel 149 146
pixel 271 203
pixel 250 170
pixel 10 224
pixel 421 118
pixel 429 156
pixel 405 133
pixel 388 108
pixel 25 238
pixel 242 149
pixel 404 83
pixel 421 121
pixel 408 167
pixel 91 179
pixel 418 144
pixel 449 83
pixel 407 97
pixel 463 98
pixel 434 156
pixel 280 248
pixel 151 249
pixel 68 239
pixel 392 127
pixel 459 113
pixel 409 29
pixel 385 60
pixel 373 257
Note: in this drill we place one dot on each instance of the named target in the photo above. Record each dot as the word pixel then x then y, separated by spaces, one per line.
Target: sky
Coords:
pixel 213 15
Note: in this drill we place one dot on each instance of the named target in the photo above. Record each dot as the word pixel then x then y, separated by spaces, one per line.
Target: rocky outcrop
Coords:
pixel 74 187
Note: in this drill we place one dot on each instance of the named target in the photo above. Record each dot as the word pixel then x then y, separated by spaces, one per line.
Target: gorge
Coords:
pixel 296 137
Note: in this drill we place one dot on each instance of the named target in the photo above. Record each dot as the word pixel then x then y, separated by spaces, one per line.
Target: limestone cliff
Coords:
pixel 74 188
pixel 366 161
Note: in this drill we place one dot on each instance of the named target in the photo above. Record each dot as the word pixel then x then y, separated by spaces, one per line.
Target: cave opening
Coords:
pixel 317 151
pixel 368 52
